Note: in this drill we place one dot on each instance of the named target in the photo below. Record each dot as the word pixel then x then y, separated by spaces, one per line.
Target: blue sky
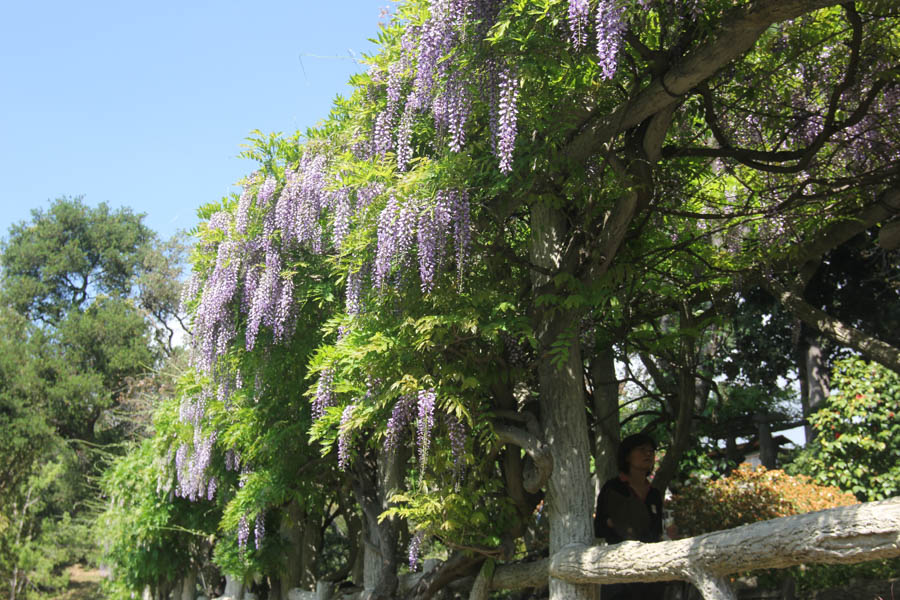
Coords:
pixel 146 104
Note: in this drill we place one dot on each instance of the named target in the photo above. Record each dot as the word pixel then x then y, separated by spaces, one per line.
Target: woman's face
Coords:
pixel 642 457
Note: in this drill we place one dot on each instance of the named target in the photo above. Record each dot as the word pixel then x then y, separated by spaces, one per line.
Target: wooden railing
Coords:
pixel 848 534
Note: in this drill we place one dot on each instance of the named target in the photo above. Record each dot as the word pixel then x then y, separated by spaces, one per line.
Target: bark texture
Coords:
pixel 848 534
pixel 373 488
pixel 606 414
pixel 188 585
pixel 481 589
pixel 563 417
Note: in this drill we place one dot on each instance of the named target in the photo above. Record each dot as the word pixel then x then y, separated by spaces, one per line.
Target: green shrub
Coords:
pixel 857 442
pixel 748 495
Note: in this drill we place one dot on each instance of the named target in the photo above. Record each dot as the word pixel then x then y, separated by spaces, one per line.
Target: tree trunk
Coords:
pixel 606 414
pixel 481 589
pixel 817 380
pixel 800 363
pixel 324 590
pixel 563 417
pixel 373 486
pixel 687 396
pixel 234 588
pixel 768 453
pixel 312 541
pixel 189 585
pixel 292 531
pixel 357 572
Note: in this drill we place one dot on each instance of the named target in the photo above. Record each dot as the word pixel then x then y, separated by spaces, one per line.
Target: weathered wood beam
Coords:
pixel 848 534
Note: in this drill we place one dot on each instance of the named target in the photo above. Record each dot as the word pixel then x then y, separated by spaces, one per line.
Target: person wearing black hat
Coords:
pixel 629 508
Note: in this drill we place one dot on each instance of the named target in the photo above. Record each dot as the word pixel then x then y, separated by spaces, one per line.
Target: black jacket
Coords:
pixel 632 518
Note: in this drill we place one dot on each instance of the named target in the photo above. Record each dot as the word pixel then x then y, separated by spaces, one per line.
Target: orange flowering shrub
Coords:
pixel 748 495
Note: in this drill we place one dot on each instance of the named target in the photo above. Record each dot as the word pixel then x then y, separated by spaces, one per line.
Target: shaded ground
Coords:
pixel 84 584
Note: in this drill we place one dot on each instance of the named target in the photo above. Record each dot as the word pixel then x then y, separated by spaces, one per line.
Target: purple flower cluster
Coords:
pixel 242 215
pixel 192 410
pixel 259 530
pixel 354 292
pixel 459 105
pixel 340 201
pixel 382 136
pixel 456 430
pixel 213 321
pixel 610 29
pixel 219 221
pixel 507 117
pixel 404 138
pixel 304 201
pixel 433 227
pixel 425 424
pixel 462 229
pixel 401 417
pixel 365 195
pixel 191 465
pixel 579 16
pixel 324 393
pixel 243 532
pixel 436 38
pixel 265 298
pixel 282 323
pixel 413 551
pixel 232 460
pixel 344 438
pixel 428 227
pixel 387 240
pixel 265 193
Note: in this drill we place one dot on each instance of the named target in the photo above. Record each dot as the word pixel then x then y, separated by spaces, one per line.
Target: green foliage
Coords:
pixel 857 433
pixel 25 434
pixel 38 541
pixel 147 536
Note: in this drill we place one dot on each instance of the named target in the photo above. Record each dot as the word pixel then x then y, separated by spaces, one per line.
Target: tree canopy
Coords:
pixel 436 283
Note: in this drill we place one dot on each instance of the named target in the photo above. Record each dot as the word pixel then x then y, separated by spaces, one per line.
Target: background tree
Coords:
pixel 84 294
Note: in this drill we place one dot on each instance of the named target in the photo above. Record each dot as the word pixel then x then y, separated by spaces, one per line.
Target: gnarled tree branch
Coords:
pixel 542 462
pixel 869 346
pixel 736 35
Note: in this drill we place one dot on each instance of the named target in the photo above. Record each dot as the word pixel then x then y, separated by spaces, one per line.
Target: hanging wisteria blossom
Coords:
pixel 579 16
pixel 259 530
pixel 425 424
pixel 344 438
pixel 324 393
pixel 401 416
pixel 413 551
pixel 610 30
pixel 507 118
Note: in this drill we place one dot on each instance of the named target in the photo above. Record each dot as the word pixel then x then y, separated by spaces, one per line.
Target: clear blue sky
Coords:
pixel 146 104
